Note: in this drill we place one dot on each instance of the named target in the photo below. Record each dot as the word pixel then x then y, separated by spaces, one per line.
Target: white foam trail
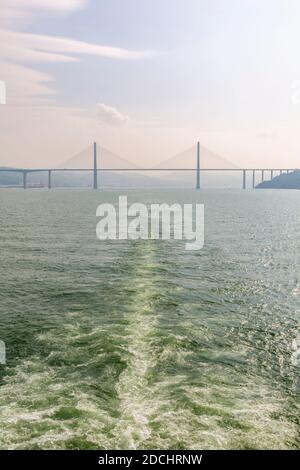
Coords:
pixel 135 396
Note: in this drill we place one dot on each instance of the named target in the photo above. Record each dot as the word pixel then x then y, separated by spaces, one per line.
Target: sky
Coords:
pixel 147 79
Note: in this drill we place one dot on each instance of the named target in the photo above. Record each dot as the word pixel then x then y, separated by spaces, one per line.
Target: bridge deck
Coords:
pixel 40 170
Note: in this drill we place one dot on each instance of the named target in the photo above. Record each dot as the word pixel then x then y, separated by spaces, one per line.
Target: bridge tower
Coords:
pixel 198 166
pixel 244 179
pixel 24 179
pixel 95 172
pixel 49 179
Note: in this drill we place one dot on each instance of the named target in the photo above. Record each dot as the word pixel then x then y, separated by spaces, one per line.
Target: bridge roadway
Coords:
pixel 198 171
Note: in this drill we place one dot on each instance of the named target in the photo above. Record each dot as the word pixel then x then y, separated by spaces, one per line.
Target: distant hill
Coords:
pixel 10 178
pixel 122 179
pixel 115 179
pixel 84 180
pixel 284 181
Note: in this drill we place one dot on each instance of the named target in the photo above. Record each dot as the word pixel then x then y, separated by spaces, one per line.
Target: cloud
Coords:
pixel 60 5
pixel 111 116
pixel 14 12
pixel 63 5
pixel 26 46
pixel 18 48
pixel 25 85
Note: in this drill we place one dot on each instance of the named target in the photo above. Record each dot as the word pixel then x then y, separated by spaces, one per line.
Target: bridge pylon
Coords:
pixel 198 183
pixel 95 171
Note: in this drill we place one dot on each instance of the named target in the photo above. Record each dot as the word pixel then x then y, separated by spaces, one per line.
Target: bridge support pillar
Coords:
pixel 49 179
pixel 253 179
pixel 244 179
pixel 95 172
pixel 272 174
pixel 280 172
pixel 198 184
pixel 24 179
pixel 262 176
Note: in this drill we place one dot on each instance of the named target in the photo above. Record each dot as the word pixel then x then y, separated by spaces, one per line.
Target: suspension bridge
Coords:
pixel 197 160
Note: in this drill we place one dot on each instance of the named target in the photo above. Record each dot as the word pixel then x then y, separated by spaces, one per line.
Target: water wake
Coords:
pixel 136 402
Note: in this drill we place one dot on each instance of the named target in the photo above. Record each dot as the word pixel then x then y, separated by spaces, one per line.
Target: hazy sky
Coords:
pixel 147 78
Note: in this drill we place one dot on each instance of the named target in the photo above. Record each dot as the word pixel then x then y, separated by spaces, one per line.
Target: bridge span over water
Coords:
pixel 171 165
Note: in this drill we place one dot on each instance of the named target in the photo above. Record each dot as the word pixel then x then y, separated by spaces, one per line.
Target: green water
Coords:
pixel 141 344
